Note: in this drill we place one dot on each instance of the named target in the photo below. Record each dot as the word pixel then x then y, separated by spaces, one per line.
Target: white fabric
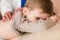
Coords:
pixel 9 5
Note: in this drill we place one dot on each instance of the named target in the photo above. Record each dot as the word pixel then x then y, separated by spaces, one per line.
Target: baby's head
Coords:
pixel 38 9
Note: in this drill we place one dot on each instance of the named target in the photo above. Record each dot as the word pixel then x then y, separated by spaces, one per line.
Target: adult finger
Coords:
pixel 7 17
pixel 4 19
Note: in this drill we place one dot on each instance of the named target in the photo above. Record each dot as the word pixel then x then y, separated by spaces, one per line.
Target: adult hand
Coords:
pixel 17 10
pixel 7 16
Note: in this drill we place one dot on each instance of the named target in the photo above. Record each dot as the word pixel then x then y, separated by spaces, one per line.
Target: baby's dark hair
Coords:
pixel 45 5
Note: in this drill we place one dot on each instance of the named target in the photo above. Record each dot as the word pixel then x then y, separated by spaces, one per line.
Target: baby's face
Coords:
pixel 35 14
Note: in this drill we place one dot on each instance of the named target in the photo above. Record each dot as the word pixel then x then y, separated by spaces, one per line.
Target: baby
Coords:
pixel 36 17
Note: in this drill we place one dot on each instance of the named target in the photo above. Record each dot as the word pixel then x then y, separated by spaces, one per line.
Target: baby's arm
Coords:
pixel 51 21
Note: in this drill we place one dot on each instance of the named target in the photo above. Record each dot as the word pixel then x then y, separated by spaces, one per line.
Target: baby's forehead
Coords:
pixel 36 10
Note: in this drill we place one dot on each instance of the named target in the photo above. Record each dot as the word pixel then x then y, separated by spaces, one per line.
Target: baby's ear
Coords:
pixel 25 11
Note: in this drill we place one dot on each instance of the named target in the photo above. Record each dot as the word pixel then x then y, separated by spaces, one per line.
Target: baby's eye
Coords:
pixel 37 18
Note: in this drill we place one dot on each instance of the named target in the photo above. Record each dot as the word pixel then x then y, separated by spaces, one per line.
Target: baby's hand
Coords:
pixel 54 18
pixel 7 16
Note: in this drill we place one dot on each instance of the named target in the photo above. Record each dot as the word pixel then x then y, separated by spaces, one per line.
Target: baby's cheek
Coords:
pixel 31 18
pixel 44 16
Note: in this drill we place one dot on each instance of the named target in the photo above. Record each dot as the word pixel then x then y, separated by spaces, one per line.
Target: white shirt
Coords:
pixel 9 5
